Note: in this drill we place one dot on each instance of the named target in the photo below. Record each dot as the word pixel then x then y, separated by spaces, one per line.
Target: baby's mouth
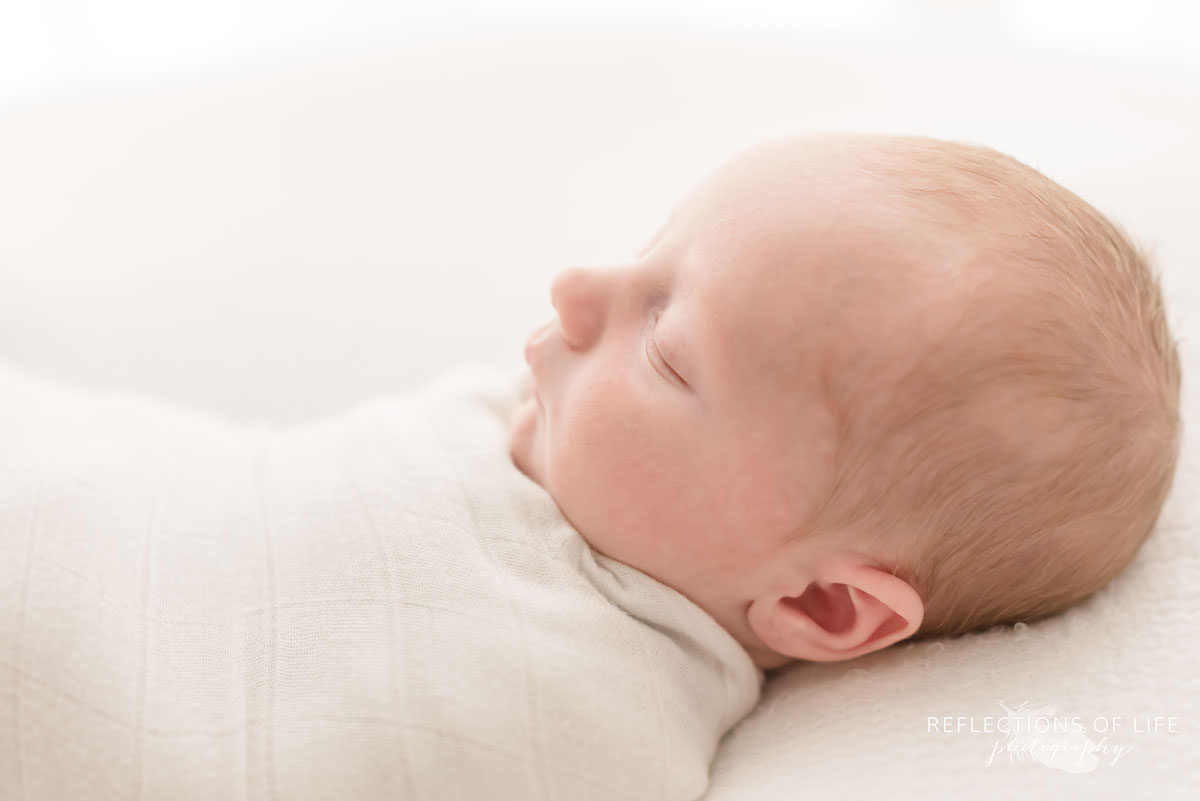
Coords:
pixel 535 338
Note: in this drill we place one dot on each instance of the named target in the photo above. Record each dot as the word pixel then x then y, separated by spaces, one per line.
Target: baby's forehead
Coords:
pixel 795 270
pixel 823 197
pixel 803 254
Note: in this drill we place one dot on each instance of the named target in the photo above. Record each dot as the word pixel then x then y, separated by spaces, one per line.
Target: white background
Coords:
pixel 51 45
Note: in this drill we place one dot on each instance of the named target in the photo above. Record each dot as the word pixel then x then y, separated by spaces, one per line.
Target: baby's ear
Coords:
pixel 847 610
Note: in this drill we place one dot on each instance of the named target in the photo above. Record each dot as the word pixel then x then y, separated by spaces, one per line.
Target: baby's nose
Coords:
pixel 579 296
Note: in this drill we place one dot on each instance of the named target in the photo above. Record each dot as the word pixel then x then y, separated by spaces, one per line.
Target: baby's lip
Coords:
pixel 534 339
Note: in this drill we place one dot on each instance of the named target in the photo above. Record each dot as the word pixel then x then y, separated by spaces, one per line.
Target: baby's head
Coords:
pixel 861 388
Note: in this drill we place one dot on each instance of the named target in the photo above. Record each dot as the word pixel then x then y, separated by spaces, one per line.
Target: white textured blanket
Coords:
pixel 375 606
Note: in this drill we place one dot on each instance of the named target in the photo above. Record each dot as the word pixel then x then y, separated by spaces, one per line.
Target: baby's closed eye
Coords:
pixel 660 363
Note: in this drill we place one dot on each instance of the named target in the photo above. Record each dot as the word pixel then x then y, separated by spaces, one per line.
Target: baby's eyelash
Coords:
pixel 655 355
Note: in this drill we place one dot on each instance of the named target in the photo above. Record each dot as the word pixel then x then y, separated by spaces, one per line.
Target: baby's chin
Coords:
pixel 523 435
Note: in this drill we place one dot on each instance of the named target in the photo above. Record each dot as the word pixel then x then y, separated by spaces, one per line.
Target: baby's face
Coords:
pixel 678 416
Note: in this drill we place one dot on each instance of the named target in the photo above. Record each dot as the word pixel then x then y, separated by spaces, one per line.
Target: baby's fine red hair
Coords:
pixel 1021 460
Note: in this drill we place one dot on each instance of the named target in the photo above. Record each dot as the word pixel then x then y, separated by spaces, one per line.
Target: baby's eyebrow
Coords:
pixel 653 240
pixel 661 230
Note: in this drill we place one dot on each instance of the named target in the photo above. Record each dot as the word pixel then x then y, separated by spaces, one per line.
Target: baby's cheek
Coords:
pixel 608 476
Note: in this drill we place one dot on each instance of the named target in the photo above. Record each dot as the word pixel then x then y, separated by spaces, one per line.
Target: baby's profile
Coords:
pixel 861 388
pixel 857 389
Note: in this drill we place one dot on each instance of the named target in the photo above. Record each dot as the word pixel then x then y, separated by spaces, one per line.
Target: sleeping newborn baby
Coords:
pixel 858 389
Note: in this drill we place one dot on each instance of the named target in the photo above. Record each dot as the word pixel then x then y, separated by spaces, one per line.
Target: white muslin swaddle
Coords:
pixel 378 605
